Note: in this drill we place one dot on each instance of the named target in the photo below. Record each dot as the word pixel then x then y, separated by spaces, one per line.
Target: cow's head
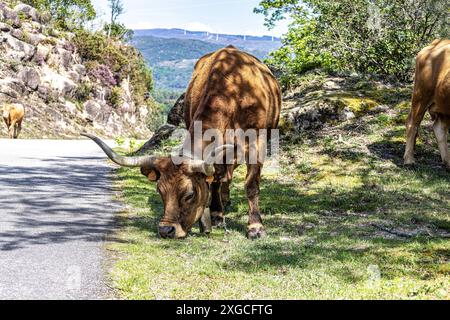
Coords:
pixel 183 188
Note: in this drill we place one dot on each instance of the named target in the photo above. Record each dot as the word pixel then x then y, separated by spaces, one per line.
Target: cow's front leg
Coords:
pixel 12 130
pixel 418 109
pixel 216 207
pixel 18 129
pixel 255 227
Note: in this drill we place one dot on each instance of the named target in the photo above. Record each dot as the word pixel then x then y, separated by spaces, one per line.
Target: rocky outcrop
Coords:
pixel 40 69
pixel 319 100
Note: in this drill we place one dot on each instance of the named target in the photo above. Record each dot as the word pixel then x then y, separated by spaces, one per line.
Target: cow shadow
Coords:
pixel 310 226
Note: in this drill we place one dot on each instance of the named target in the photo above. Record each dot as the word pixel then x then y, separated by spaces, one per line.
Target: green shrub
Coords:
pixel 83 92
pixel 116 97
pixel 123 60
pixel 67 14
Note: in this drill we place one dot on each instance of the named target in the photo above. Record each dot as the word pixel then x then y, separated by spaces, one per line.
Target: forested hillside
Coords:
pixel 172 53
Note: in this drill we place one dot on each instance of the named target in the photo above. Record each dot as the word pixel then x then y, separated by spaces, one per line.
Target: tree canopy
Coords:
pixel 66 13
pixel 368 36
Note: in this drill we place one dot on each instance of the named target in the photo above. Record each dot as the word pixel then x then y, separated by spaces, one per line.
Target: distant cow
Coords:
pixel 432 94
pixel 229 90
pixel 13 115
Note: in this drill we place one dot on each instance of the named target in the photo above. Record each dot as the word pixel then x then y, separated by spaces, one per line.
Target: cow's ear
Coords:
pixel 151 174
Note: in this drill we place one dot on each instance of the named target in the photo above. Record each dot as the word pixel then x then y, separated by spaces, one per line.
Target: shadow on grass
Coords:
pixel 310 226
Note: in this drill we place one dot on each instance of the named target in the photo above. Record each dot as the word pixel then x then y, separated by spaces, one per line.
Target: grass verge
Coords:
pixel 345 221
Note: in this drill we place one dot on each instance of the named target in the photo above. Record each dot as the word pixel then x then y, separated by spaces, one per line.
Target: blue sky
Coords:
pixel 223 16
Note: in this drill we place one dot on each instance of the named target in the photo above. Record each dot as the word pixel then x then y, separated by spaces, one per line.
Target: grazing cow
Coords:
pixel 432 94
pixel 229 90
pixel 13 115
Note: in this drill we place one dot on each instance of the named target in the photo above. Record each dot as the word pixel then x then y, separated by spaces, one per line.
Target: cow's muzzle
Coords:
pixel 167 232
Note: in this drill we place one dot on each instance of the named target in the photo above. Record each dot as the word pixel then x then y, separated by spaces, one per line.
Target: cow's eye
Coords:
pixel 189 196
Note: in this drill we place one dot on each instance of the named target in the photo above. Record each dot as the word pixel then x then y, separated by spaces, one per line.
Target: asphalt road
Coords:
pixel 56 209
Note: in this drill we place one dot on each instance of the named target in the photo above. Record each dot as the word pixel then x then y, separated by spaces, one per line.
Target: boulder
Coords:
pixel 74 76
pixel 23 50
pixel 7 13
pixel 91 110
pixel 63 85
pixel 80 69
pixel 11 87
pixel 30 77
pixel 4 27
pixel 41 54
pixel 65 57
pixel 27 11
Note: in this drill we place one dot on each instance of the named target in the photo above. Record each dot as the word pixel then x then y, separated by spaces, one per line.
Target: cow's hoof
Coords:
pixel 256 232
pixel 217 219
pixel 409 162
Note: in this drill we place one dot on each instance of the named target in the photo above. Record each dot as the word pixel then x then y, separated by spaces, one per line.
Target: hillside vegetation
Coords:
pixel 68 79
pixel 172 54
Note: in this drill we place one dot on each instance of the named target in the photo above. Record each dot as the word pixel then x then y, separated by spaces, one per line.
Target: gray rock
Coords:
pixel 28 11
pixel 30 38
pixel 35 38
pixel 65 57
pixel 11 87
pixel 4 27
pixel 80 69
pixel 30 77
pixel 92 109
pixel 8 91
pixel 24 50
pixel 74 76
pixel 347 114
pixel 7 12
pixel 41 54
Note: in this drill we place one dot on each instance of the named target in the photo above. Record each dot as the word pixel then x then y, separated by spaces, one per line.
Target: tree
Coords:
pixel 368 36
pixel 68 14
pixel 117 9
pixel 114 28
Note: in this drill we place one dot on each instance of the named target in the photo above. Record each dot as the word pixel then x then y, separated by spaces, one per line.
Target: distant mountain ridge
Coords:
pixel 262 43
pixel 172 53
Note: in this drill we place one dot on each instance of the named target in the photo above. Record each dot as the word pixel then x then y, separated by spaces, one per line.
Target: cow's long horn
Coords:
pixel 121 160
pixel 207 166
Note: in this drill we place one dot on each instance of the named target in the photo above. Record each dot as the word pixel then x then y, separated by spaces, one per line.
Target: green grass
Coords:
pixel 341 212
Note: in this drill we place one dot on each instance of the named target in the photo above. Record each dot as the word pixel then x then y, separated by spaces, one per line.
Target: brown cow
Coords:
pixel 432 94
pixel 229 89
pixel 13 115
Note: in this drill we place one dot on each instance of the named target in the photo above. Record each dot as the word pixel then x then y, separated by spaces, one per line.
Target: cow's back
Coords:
pixel 17 112
pixel 433 75
pixel 13 112
pixel 231 89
